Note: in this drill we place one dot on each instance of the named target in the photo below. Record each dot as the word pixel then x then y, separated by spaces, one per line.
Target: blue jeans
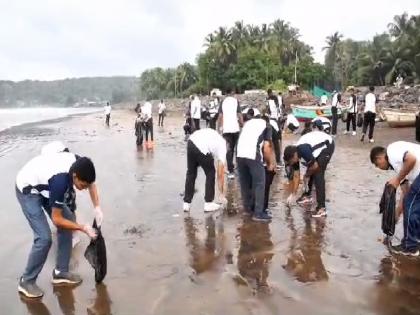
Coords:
pixel 252 180
pixel 33 208
pixel 412 216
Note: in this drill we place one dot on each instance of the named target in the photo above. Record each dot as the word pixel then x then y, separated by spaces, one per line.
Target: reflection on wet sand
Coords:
pixel 35 306
pixel 304 260
pixel 102 303
pixel 65 298
pixel 255 255
pixel 204 256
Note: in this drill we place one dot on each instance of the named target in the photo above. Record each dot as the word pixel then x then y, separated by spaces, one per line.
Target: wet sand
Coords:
pixel 161 261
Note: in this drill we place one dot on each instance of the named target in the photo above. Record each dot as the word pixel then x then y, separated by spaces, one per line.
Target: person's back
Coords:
pixel 209 140
pixel 230 109
pixel 370 103
pixel 107 109
pixel 196 108
pixel 147 111
pixel 251 140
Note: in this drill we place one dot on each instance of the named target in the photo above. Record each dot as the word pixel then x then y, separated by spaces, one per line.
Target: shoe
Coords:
pixel 345 132
pixel 231 176
pixel 264 217
pixel 187 207
pixel 29 289
pixel 61 277
pixel 303 200
pixel 362 138
pixel 371 140
pixel 322 212
pixel 400 250
pixel 353 133
pixel 211 207
pixel 279 166
pixel 268 211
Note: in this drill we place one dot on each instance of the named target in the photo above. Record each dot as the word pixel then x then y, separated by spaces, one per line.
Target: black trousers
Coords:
pixel 319 177
pixel 213 121
pixel 369 121
pixel 161 118
pixel 277 145
pixel 196 124
pixel 195 159
pixel 351 117
pixel 108 116
pixel 269 176
pixel 231 141
pixel 334 120
pixel 149 129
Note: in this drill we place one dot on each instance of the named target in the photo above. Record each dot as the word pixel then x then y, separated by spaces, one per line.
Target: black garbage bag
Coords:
pixel 96 255
pixel 359 120
pixel 387 208
pixel 418 128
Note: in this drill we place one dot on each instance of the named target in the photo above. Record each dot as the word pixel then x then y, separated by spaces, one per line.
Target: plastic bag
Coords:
pixel 96 255
pixel 387 208
pixel 344 116
pixel 359 120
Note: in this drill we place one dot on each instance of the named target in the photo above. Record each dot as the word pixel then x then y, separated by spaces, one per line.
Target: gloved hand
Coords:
pixel 222 200
pixel 90 231
pixel 291 200
pixel 99 215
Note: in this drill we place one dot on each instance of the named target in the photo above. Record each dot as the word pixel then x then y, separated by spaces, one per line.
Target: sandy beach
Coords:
pixel 161 261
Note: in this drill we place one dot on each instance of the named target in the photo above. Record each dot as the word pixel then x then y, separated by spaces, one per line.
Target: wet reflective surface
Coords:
pixel 162 261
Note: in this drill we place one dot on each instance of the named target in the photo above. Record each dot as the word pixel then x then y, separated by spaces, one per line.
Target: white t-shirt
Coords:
pixel 396 152
pixel 230 109
pixel 161 108
pixel 352 105
pixel 280 98
pixel 210 141
pixel 274 124
pixel 335 102
pixel 196 109
pixel 370 103
pixel 251 139
pixel 274 112
pixel 147 111
pixel 311 145
pixel 324 99
pixel 291 119
pixel 107 109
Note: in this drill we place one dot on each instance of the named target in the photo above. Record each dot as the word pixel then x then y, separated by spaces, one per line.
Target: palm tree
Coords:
pixel 400 26
pixel 223 45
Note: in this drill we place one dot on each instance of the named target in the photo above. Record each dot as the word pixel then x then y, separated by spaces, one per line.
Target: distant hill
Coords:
pixel 68 92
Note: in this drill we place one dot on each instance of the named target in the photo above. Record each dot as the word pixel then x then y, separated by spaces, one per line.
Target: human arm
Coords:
pixel 268 154
pixel 63 223
pixel 409 161
pixel 221 177
pixel 400 207
pixel 293 185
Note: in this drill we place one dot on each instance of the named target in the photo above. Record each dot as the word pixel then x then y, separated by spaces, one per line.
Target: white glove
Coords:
pixel 291 200
pixel 222 200
pixel 90 231
pixel 99 215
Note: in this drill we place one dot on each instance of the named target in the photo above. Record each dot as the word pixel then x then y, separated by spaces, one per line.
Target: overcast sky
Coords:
pixel 50 39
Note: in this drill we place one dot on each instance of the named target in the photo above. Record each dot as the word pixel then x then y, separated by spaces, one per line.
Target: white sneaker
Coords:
pixel 353 133
pixel 371 140
pixel 211 207
pixel 345 132
pixel 187 207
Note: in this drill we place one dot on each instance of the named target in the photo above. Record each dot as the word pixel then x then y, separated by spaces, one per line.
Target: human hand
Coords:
pixel 99 215
pixel 291 200
pixel 395 182
pixel 90 231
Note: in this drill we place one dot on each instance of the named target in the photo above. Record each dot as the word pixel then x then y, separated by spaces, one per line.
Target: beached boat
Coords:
pixel 303 113
pixel 399 118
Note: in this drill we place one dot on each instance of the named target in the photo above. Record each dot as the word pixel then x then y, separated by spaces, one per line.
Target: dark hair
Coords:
pixel 250 112
pixel 107 103
pixel 84 170
pixel 269 91
pixel 375 152
pixel 371 88
pixel 289 152
pixel 229 91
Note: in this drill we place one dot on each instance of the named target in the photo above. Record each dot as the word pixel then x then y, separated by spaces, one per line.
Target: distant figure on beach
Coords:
pixel 369 115
pixel 204 146
pixel 403 158
pixel 314 150
pixel 324 99
pixel 196 112
pixel 255 148
pixel 273 109
pixel 335 105
pixel 139 127
pixel 148 123
pixel 230 121
pixel 161 112
pixel 107 110
pixel 351 113
pixel 46 183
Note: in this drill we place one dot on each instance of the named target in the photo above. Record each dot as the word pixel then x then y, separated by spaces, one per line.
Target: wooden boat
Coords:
pixel 399 118
pixel 304 113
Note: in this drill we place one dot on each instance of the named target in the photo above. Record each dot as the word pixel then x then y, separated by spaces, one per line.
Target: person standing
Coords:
pixel 369 115
pixel 213 111
pixel 315 150
pixel 148 123
pixel 196 112
pixel 107 110
pixel 161 112
pixel 230 120
pixel 254 148
pixel 273 105
pixel 335 104
pixel 351 113
pixel 46 183
pixel 324 99
pixel 203 147
pixel 403 158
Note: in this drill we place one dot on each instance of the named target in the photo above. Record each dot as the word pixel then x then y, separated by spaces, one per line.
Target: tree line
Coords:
pixel 264 56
